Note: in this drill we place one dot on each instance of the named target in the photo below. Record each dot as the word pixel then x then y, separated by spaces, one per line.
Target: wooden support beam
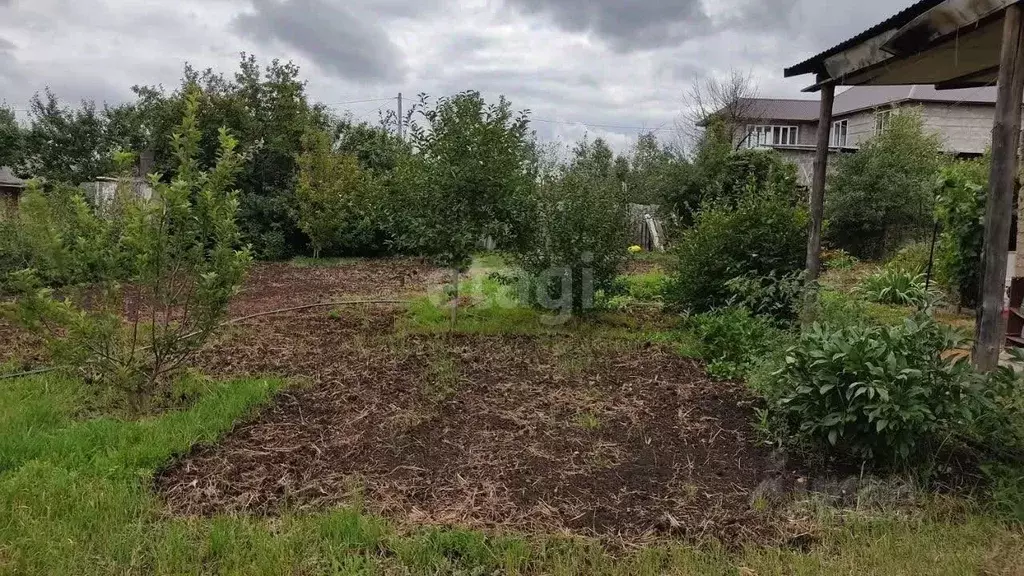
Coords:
pixel 990 332
pixel 828 96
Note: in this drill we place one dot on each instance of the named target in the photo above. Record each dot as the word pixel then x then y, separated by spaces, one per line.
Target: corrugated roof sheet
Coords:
pixel 8 179
pixel 814 64
pixel 866 97
pixel 863 97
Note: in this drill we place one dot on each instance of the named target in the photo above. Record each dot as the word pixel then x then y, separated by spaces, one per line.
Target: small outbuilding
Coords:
pixel 11 188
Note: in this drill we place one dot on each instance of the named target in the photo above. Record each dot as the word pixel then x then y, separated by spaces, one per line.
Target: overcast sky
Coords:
pixel 615 65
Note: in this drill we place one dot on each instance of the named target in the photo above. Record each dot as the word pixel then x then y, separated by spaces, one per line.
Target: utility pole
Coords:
pixel 401 120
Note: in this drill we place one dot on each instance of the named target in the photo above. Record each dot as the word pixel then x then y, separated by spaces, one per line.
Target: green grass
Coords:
pixel 489 261
pixel 661 259
pixel 75 498
pixel 646 287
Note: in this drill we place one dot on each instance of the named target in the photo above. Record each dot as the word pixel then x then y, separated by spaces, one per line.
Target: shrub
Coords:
pixel 469 180
pixel 580 231
pixel 881 196
pixel 59 235
pixel 721 174
pixel 912 258
pixel 761 236
pixel 13 251
pixel 893 285
pixel 773 297
pixel 886 393
pixel 732 340
pixel 838 260
pixel 960 209
pixel 334 198
pixel 180 250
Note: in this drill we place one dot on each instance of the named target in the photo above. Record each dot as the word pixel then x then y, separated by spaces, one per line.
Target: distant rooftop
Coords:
pixel 9 180
pixel 860 98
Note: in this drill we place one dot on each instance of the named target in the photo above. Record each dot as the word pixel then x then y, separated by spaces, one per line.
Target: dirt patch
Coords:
pixel 272 286
pixel 275 286
pixel 19 348
pixel 550 434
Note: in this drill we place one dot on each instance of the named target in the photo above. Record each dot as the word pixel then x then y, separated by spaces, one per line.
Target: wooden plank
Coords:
pixel 990 332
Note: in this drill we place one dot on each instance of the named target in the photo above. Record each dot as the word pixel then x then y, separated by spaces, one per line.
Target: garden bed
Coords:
pixel 558 434
pixel 504 432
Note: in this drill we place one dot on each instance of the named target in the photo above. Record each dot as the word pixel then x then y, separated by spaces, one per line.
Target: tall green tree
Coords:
pixel 335 198
pixel 12 139
pixel 470 177
pixel 580 229
pixel 65 144
pixel 883 196
pixel 704 179
pixel 656 172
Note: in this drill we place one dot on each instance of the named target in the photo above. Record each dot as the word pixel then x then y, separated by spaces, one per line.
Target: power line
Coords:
pixel 608 126
pixel 336 104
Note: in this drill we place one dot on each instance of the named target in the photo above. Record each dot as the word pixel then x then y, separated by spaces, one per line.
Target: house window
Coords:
pixel 840 133
pixel 759 136
pixel 882 118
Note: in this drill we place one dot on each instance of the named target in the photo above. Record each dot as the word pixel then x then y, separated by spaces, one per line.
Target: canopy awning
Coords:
pixel 945 43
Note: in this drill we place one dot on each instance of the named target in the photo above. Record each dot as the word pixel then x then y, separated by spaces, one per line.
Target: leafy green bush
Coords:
pixel 335 199
pixel 838 260
pixel 13 253
pixel 773 297
pixel 579 232
pixel 893 285
pixel 180 252
pixel 881 196
pixel 733 340
pixel 961 191
pixel 470 179
pixel 721 174
pixel 60 236
pixel 761 236
pixel 887 393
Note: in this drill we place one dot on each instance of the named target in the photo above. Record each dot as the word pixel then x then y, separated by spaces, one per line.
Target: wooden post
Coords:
pixel 828 96
pixel 990 330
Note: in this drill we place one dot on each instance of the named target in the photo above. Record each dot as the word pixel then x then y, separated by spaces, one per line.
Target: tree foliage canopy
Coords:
pixel 882 196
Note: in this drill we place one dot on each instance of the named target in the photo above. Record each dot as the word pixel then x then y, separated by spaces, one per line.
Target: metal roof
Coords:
pixel 866 97
pixel 860 98
pixel 815 64
pixel 9 180
pixel 781 108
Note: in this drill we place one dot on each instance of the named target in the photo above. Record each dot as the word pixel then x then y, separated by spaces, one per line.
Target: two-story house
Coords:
pixel 962 117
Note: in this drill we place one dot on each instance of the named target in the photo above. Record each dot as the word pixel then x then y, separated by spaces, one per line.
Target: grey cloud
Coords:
pixel 336 37
pixel 625 25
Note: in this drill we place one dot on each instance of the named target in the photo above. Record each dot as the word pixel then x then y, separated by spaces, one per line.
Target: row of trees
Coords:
pixel 286 139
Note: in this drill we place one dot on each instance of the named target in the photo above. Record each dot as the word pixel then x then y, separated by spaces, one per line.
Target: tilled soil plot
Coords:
pixel 558 434
pixel 273 286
